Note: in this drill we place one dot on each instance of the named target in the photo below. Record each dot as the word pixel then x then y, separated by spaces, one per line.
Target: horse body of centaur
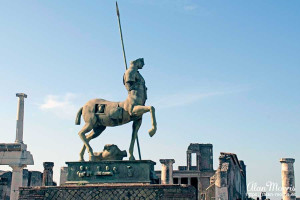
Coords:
pixel 99 113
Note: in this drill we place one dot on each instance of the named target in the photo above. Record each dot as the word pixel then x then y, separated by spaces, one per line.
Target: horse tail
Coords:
pixel 78 117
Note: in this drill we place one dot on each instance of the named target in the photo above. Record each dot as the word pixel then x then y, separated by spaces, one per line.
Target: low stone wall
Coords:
pixel 110 192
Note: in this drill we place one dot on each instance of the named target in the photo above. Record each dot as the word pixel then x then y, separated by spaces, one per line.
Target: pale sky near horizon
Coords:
pixel 219 72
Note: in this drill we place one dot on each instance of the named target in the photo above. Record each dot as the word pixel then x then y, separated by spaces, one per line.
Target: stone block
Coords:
pixel 140 171
pixel 111 192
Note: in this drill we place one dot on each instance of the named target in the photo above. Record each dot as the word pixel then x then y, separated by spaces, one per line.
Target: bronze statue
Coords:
pixel 100 113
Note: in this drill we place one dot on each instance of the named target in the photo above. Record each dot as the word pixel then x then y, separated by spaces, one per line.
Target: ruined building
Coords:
pixel 228 182
pixel 199 175
pixel 30 178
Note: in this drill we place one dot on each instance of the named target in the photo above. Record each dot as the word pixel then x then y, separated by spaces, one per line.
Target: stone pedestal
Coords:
pixel 139 171
pixel 288 178
pixel 167 171
pixel 111 192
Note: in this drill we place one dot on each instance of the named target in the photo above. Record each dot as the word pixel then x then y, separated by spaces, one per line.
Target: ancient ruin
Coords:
pixel 106 175
pixel 210 184
pixel 288 178
pixel 229 181
pixel 15 154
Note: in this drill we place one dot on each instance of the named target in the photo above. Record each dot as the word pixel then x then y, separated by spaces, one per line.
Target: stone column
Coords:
pixel 48 174
pixel 16 181
pixel 20 117
pixel 288 179
pixel 189 160
pixel 167 171
pixel 198 157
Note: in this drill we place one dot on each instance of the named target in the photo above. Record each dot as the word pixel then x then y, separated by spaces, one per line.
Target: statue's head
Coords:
pixel 139 63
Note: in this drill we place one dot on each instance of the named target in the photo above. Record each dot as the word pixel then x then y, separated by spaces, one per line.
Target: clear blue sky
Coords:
pixel 220 72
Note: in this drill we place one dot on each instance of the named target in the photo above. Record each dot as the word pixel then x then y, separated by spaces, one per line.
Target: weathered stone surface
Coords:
pixel 16 155
pixel 139 171
pixel 30 178
pixel 16 158
pixel 167 171
pixel 198 175
pixel 20 118
pixel 10 147
pixel 48 174
pixel 288 178
pixel 4 194
pixel 111 192
pixel 229 181
pixel 63 175
pixel 35 178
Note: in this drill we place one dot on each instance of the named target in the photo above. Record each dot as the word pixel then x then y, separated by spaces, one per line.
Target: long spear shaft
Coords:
pixel 120 28
pixel 124 55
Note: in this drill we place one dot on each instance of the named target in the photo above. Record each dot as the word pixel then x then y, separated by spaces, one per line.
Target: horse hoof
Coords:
pixel 152 132
pixel 81 160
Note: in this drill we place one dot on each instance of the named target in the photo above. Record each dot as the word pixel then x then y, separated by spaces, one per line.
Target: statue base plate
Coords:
pixel 116 171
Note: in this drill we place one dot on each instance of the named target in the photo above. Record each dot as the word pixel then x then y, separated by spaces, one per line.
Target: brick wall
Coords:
pixel 111 191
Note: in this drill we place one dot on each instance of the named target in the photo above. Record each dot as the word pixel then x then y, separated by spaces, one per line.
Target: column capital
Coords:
pixel 48 165
pixel 21 95
pixel 287 160
pixel 167 161
pixel 17 167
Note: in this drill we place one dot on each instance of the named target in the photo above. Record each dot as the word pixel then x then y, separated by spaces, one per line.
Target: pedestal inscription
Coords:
pixel 141 171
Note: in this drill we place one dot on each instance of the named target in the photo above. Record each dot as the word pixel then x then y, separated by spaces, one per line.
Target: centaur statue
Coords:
pixel 100 113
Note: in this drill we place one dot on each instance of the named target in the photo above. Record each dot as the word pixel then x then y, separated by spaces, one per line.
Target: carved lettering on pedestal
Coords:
pixel 107 172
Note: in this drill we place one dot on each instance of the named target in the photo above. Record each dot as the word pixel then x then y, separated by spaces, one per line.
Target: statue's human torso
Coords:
pixel 138 95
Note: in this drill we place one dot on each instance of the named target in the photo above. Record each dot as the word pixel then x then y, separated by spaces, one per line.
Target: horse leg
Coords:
pixel 95 133
pixel 135 128
pixel 140 110
pixel 87 128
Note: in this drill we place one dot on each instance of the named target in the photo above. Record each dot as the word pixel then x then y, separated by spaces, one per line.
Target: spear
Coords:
pixel 124 55
pixel 120 28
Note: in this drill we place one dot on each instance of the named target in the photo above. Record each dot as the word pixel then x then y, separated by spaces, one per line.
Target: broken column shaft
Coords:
pixel 167 171
pixel 288 178
pixel 48 174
